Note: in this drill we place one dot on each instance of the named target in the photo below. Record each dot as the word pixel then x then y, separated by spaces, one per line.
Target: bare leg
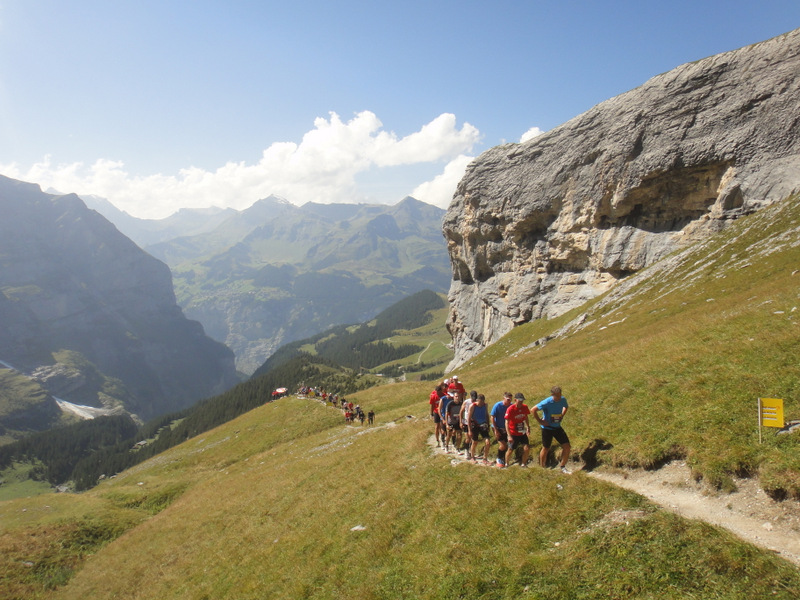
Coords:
pixel 565 450
pixel 502 449
pixel 509 455
pixel 543 456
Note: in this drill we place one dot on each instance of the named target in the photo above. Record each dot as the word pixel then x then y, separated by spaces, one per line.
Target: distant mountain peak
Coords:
pixel 271 199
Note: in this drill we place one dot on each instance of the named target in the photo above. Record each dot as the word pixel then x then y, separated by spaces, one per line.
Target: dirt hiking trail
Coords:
pixel 747 513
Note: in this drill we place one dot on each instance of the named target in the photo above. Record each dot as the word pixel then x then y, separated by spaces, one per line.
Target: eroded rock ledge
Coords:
pixel 538 228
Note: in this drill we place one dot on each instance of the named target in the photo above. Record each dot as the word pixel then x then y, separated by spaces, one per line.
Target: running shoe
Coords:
pixel 566 471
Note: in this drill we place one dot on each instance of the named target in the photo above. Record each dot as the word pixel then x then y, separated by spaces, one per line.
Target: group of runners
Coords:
pixel 463 421
pixel 351 413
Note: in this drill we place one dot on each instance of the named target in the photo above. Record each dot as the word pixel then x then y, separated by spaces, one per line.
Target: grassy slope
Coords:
pixel 17 483
pixel 270 513
pixel 675 367
pixel 20 396
pixel 434 340
pixel 264 505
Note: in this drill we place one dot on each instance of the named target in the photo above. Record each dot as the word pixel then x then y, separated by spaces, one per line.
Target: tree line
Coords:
pixel 54 453
pixel 362 346
pixel 85 451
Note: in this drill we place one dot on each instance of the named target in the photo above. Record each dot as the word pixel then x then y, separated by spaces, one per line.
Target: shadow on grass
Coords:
pixel 589 454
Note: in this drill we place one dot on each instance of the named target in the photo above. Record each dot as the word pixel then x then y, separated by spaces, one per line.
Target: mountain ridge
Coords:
pixel 306 269
pixel 271 264
pixel 71 282
pixel 147 232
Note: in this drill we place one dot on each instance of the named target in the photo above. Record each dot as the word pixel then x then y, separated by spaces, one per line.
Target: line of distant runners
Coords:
pixel 350 412
pixel 455 414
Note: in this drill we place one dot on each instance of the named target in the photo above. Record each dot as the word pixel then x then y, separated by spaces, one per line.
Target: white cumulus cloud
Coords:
pixel 530 134
pixel 322 168
pixel 439 191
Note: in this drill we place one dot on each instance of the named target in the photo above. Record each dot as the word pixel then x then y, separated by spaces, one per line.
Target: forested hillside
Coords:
pixel 363 346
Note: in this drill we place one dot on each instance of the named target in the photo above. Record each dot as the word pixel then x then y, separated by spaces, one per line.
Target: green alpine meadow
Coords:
pixel 287 501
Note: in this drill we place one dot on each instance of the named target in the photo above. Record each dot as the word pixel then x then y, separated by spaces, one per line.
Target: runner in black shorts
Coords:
pixel 478 420
pixel 453 412
pixel 518 428
pixel 559 434
pixel 437 418
pixel 553 410
pixel 498 416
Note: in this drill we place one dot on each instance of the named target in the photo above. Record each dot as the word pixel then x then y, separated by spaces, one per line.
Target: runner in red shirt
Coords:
pixel 518 428
pixel 437 419
pixel 456 386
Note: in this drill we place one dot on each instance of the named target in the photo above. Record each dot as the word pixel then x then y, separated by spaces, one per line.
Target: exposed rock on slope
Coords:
pixel 538 228
pixel 69 281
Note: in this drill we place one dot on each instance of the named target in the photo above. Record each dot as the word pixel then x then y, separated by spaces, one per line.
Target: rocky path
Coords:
pixel 748 512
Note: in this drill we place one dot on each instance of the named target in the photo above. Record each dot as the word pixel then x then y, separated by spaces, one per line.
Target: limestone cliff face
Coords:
pixel 538 228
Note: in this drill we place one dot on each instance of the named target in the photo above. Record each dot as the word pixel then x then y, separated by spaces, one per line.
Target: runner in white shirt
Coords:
pixel 464 416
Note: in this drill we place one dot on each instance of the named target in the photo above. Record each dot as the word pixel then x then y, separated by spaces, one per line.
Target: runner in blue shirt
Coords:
pixel 498 415
pixel 478 420
pixel 444 401
pixel 553 410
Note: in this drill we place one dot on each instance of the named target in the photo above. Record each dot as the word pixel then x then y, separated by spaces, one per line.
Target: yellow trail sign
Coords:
pixel 770 414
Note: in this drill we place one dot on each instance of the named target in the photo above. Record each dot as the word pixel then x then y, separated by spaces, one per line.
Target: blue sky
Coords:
pixel 157 105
